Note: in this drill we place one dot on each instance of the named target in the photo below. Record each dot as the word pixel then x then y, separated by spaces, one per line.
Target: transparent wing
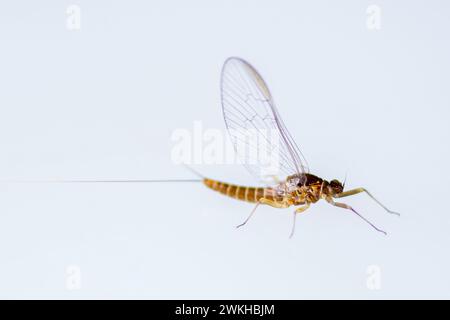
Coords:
pixel 259 136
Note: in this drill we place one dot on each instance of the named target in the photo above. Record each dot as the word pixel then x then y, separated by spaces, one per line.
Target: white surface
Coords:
pixel 102 102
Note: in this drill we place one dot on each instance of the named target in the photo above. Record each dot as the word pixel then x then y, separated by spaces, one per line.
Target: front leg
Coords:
pixel 346 206
pixel 359 190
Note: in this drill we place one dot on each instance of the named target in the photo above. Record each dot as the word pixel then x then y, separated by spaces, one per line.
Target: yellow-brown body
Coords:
pixel 296 190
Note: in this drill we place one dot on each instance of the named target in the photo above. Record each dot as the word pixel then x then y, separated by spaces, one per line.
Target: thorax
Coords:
pixel 305 188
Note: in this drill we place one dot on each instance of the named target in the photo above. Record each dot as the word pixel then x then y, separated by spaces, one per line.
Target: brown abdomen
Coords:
pixel 249 194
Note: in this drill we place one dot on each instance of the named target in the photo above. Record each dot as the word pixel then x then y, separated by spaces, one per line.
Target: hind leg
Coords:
pixel 275 204
pixel 268 202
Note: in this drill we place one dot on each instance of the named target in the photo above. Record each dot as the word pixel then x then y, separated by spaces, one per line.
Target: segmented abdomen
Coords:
pixel 249 194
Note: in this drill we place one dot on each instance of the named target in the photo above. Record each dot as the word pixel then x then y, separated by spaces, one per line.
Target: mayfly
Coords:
pixel 248 105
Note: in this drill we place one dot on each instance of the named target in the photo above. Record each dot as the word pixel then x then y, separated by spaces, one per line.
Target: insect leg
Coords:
pixel 250 215
pixel 264 201
pixel 346 206
pixel 359 190
pixel 298 210
pixel 274 204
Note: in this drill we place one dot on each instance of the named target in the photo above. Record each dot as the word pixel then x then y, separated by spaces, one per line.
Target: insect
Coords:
pixel 248 106
pixel 256 128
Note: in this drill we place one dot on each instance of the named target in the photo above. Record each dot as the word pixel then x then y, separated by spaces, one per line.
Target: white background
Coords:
pixel 102 102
